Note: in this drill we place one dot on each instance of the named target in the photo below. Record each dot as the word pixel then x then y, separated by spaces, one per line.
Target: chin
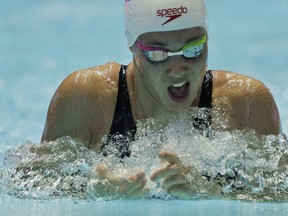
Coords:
pixel 179 107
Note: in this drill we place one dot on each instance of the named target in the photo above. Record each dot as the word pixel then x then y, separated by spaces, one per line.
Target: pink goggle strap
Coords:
pixel 150 48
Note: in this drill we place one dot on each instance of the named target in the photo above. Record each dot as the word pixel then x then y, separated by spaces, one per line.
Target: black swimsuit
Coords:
pixel 123 127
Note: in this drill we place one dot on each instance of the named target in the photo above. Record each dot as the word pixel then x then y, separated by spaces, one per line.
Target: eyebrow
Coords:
pixel 160 44
pixel 195 38
pixel 155 43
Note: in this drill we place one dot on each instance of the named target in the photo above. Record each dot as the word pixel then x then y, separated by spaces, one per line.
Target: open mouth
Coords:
pixel 179 91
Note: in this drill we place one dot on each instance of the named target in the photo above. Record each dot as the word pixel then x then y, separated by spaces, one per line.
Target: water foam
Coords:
pixel 246 165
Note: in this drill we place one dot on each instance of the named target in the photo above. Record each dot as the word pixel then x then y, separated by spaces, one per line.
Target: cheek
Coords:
pixel 146 68
pixel 141 61
pixel 201 62
pixel 205 55
pixel 137 60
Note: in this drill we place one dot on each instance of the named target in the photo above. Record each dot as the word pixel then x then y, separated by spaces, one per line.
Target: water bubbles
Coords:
pixel 241 164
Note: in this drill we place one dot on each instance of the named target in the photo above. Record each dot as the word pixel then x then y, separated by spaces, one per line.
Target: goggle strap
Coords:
pixel 148 48
pixel 196 43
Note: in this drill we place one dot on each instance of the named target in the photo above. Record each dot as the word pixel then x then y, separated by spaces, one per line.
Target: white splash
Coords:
pixel 246 164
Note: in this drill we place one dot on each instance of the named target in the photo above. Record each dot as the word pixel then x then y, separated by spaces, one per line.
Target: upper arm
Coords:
pixel 245 102
pixel 81 108
pixel 264 114
pixel 64 113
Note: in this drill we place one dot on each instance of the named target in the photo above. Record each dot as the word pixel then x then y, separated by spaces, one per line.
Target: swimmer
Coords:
pixel 168 75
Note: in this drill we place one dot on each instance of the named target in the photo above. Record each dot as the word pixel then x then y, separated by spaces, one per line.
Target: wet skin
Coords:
pixel 83 105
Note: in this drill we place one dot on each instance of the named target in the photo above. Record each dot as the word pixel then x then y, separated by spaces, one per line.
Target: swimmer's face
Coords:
pixel 175 82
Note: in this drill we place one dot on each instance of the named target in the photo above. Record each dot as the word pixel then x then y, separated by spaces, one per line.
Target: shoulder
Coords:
pixel 95 80
pixel 87 95
pixel 240 88
pixel 83 105
pixel 96 86
pixel 248 100
pixel 235 84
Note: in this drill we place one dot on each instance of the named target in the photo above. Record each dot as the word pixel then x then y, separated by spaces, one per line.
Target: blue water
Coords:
pixel 41 42
pixel 143 207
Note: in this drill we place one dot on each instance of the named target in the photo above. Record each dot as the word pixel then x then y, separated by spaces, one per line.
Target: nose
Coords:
pixel 177 66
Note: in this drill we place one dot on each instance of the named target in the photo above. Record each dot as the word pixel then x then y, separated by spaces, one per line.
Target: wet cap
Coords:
pixel 142 16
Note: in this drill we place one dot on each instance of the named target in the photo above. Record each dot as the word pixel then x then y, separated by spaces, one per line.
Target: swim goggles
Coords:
pixel 191 50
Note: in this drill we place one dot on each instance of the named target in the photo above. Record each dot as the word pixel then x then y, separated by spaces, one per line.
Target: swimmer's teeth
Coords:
pixel 178 85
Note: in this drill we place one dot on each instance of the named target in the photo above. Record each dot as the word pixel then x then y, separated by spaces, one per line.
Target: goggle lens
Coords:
pixel 193 51
pixel 157 54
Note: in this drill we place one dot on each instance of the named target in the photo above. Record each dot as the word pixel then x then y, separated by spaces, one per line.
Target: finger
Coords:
pixel 169 157
pixel 165 172
pixel 137 176
pixel 140 192
pixel 117 186
pixel 130 184
pixel 174 181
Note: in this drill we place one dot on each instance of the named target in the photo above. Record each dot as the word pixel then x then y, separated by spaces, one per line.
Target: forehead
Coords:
pixel 180 36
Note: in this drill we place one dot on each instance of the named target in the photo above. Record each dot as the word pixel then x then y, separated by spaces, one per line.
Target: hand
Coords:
pixel 182 181
pixel 108 185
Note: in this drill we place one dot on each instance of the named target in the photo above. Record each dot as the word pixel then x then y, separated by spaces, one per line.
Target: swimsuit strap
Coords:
pixel 123 122
pixel 206 93
pixel 123 127
pixel 205 102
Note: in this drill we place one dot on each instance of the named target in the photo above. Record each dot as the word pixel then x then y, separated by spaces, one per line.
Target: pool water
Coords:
pixel 142 207
pixel 41 42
